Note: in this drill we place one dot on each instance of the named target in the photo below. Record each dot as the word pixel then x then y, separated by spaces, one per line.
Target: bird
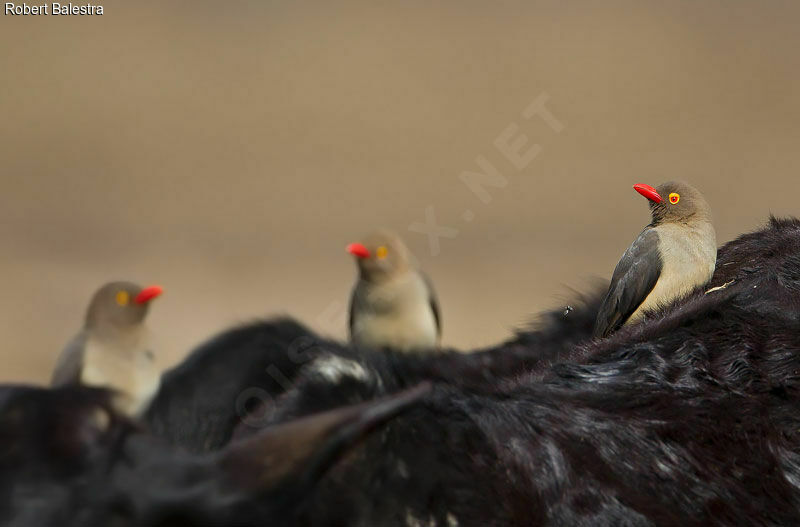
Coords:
pixel 393 304
pixel 672 256
pixel 113 349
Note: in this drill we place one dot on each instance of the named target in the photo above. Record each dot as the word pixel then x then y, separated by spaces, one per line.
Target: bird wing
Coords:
pixel 634 277
pixel 70 363
pixel 434 303
pixel 354 298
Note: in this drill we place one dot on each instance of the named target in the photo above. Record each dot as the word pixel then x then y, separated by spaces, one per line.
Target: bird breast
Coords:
pixel 126 365
pixel 688 256
pixel 396 313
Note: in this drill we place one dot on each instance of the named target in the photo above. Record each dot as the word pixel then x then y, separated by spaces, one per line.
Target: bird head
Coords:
pixel 120 305
pixel 380 256
pixel 675 201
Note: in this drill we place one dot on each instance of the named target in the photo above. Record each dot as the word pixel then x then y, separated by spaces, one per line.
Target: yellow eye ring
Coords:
pixel 381 252
pixel 122 298
pixel 674 198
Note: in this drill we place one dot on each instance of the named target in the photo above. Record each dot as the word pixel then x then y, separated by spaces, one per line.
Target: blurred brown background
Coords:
pixel 230 150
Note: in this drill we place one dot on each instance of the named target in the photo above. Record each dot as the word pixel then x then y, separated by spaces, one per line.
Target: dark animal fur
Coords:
pixel 203 399
pixel 199 404
pixel 690 418
pixel 68 460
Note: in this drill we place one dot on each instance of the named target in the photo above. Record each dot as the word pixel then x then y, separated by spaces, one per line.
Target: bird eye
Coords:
pixel 381 252
pixel 123 298
pixel 674 198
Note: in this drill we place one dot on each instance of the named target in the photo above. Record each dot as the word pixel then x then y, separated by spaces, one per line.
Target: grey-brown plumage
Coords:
pixel 113 349
pixel 672 256
pixel 393 304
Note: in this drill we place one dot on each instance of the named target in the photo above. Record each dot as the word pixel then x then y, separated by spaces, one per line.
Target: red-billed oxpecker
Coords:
pixel 672 256
pixel 393 304
pixel 113 348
